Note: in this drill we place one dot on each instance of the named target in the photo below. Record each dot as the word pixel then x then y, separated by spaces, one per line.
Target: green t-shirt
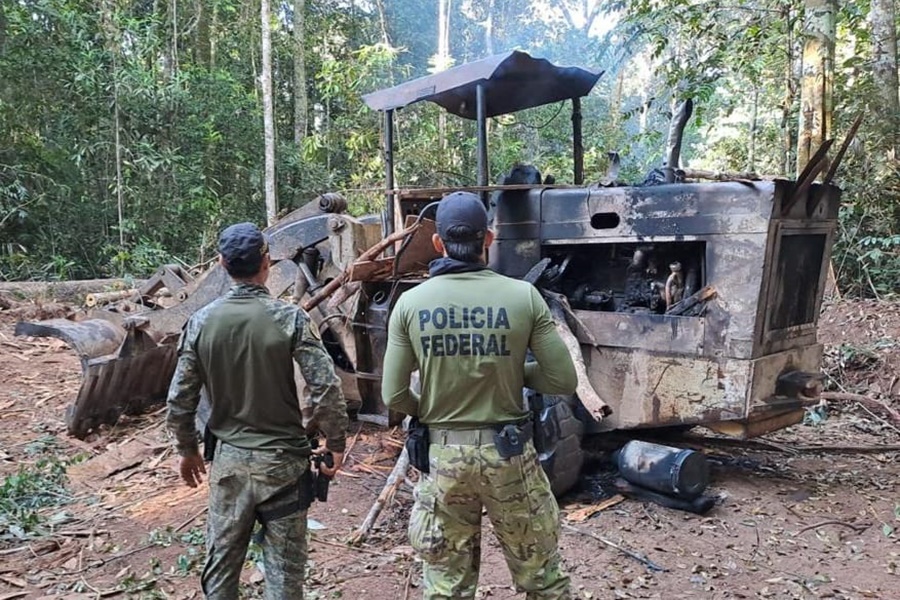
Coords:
pixel 242 348
pixel 468 334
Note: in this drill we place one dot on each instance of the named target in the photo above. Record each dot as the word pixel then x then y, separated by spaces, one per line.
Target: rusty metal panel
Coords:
pixel 654 390
pixel 659 333
pixel 657 211
pixel 758 424
pixel 90 339
pixel 765 372
pixel 735 268
pixel 419 251
pixel 101 399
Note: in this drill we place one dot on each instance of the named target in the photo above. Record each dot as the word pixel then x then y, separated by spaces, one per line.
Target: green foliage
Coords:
pixel 190 120
pixel 27 491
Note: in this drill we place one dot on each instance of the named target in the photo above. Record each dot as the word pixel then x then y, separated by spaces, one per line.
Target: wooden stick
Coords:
pixel 638 557
pixel 856 528
pixel 722 175
pixel 397 476
pixel 101 298
pixel 369 254
pixel 584 390
pixel 865 401
pixel 191 519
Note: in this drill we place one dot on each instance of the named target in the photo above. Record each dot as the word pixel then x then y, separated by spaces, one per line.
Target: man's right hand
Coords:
pixel 192 467
pixel 330 472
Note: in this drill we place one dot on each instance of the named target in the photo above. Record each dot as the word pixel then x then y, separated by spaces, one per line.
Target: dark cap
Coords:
pixel 242 247
pixel 461 208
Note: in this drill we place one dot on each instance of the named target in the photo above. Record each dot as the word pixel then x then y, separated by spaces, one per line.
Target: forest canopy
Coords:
pixel 131 132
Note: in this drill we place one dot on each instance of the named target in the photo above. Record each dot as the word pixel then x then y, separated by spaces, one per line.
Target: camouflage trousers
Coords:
pixel 243 483
pixel 445 524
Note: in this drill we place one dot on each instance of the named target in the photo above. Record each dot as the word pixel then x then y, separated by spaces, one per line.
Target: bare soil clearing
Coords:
pixel 789 524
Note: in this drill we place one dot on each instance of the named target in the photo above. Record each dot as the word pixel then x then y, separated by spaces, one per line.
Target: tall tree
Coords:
pixel 883 21
pixel 301 102
pixel 268 111
pixel 817 81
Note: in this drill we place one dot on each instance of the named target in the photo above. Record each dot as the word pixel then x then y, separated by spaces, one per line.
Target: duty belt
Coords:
pixel 472 437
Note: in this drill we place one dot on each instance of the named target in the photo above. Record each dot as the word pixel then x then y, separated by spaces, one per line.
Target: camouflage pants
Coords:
pixel 445 524
pixel 241 483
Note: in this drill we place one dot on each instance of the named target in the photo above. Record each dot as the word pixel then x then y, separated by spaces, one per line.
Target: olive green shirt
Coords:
pixel 468 334
pixel 242 347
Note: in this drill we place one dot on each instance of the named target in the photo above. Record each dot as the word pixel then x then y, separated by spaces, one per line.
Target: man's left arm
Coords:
pixel 399 363
pixel 182 401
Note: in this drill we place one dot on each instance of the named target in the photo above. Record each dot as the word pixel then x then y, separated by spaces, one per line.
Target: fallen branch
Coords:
pixel 856 528
pixel 348 547
pixel 397 476
pixel 638 557
pixel 368 255
pixel 584 390
pixel 865 401
pixel 722 175
pixel 191 519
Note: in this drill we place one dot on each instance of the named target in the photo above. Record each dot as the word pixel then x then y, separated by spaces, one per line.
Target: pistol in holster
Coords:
pixel 319 481
pixel 510 438
pixel 210 441
pixel 417 445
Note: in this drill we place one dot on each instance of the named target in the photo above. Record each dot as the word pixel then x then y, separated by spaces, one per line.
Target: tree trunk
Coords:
pixel 120 197
pixel 443 63
pixel 301 103
pixel 787 103
pixel 383 22
pixel 489 29
pixel 112 46
pixel 883 21
pixel 817 79
pixel 751 144
pixel 268 112
pixel 202 44
pixel 174 5
pixel 213 27
pixel 2 27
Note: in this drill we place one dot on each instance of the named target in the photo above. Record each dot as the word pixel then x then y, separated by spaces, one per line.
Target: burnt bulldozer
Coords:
pixel 682 303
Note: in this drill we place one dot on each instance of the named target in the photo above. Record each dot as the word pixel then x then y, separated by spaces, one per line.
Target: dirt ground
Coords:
pixel 108 516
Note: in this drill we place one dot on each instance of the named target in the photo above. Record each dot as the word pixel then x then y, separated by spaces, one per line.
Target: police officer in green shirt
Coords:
pixel 467 330
pixel 241 347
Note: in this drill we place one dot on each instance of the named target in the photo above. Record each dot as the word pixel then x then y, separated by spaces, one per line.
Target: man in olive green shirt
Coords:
pixel 467 330
pixel 241 348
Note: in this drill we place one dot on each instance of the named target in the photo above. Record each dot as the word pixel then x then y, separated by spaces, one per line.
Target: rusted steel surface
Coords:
pixel 512 81
pixel 659 333
pixel 114 386
pixel 657 369
pixel 89 339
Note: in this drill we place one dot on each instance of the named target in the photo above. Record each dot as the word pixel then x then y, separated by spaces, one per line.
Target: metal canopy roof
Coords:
pixel 513 81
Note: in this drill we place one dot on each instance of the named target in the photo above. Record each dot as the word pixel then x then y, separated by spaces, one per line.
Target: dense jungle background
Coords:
pixel 131 131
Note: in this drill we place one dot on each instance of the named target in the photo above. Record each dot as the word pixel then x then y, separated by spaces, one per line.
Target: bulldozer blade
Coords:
pixel 112 387
pixel 90 339
pixel 113 381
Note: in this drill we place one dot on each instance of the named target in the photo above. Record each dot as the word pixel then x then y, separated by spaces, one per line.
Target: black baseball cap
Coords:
pixel 461 209
pixel 242 247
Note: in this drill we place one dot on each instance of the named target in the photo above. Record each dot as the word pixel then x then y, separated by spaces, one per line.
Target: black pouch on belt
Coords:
pixel 417 445
pixel 510 439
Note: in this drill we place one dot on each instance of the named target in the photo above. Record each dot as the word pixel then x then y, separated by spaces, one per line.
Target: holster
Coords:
pixel 510 439
pixel 292 499
pixel 210 441
pixel 417 445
